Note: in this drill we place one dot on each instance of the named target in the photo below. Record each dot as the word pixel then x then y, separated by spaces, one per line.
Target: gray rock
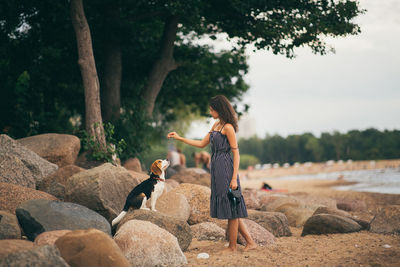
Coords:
pixel 207 231
pixel 12 195
pixel 296 214
pixel 387 221
pixel 348 204
pixel 39 215
pixel 43 256
pixel 8 246
pixel 329 224
pixel 274 222
pixel 180 208
pixel 21 166
pixel 364 224
pixel 54 184
pixel 179 228
pixel 193 176
pixel 145 244
pixel 259 234
pixel 60 149
pixel 133 164
pixel 103 189
pixel 9 228
pixel 251 200
pixel 198 197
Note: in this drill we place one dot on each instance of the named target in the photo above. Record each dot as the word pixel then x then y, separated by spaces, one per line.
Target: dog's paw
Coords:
pixel 154 210
pixel 144 208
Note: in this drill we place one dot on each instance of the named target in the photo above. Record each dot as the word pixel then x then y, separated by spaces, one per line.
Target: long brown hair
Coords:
pixel 226 113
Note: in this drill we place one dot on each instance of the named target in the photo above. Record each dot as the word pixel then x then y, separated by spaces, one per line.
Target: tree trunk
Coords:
pixel 112 72
pixel 90 79
pixel 163 65
pixel 110 97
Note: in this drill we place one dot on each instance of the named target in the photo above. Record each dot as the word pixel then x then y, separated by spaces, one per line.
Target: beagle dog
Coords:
pixel 151 188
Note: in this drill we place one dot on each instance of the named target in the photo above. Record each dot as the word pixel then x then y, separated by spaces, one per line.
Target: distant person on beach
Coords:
pixel 202 158
pixel 173 156
pixel 224 170
pixel 182 158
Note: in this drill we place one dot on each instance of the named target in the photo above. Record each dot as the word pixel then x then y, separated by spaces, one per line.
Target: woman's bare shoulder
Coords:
pixel 229 126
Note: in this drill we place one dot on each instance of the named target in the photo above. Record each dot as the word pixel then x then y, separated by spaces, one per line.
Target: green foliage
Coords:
pixel 41 82
pixel 247 160
pixel 370 144
pixel 96 150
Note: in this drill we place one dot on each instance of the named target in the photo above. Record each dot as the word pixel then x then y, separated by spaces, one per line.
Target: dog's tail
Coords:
pixel 119 218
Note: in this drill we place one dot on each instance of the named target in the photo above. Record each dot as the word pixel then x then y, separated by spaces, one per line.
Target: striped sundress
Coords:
pixel 221 168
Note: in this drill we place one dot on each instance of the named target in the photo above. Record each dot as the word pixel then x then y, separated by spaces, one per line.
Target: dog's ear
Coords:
pixel 156 167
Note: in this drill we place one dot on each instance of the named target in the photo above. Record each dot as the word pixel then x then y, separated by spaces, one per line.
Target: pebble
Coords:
pixel 387 246
pixel 203 256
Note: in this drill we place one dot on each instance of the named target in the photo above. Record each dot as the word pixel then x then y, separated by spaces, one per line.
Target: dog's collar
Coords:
pixel 155 176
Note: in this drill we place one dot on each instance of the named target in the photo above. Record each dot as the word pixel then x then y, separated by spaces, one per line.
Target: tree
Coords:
pixel 94 122
pixel 277 25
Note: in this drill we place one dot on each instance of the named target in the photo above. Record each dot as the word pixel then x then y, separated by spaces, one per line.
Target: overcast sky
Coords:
pixel 356 88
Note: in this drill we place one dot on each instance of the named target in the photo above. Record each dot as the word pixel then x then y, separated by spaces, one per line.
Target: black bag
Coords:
pixel 235 196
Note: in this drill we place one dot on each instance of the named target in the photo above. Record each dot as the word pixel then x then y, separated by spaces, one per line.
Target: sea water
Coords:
pixel 380 180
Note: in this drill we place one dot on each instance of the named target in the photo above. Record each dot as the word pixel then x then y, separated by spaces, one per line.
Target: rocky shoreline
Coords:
pixel 54 213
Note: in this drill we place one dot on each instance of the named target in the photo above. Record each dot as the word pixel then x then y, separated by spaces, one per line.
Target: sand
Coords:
pixel 352 249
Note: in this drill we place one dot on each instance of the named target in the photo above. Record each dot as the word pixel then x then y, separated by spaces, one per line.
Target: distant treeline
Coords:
pixel 356 145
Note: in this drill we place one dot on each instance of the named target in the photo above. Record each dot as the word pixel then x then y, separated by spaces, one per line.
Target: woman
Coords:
pixel 224 171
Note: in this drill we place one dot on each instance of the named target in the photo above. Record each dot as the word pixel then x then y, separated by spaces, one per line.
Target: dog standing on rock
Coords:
pixel 151 188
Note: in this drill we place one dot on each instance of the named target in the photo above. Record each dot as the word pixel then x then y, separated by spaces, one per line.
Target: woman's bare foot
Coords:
pixel 250 246
pixel 228 250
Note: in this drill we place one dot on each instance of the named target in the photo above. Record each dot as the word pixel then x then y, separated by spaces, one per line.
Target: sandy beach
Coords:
pixel 362 248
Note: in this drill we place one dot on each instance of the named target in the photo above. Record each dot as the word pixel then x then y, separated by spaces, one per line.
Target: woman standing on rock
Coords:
pixel 224 170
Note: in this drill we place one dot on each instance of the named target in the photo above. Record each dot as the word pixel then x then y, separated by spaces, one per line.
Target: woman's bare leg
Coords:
pixel 250 244
pixel 233 227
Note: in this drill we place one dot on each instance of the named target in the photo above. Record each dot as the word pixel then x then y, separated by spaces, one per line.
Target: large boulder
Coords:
pixel 193 176
pixel 60 149
pixel 43 256
pixel 170 184
pixel 387 220
pixel 50 237
pixel 90 248
pixel 179 228
pixel 133 164
pixel 9 228
pixel 11 196
pixel 145 244
pixel 326 210
pixel 54 184
pixel 329 224
pixel 265 197
pixel 198 197
pixel 21 166
pixel 8 246
pixel 251 199
pixel 259 234
pixel 207 231
pixel 39 215
pixel 349 204
pixel 277 201
pixel 296 214
pixel 274 222
pixel 103 189
pixel 313 201
pixel 179 209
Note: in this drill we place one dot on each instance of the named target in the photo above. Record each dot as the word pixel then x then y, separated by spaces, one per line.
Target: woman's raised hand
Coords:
pixel 173 135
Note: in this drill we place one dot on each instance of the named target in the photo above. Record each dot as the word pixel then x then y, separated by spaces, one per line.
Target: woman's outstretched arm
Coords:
pixel 196 143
